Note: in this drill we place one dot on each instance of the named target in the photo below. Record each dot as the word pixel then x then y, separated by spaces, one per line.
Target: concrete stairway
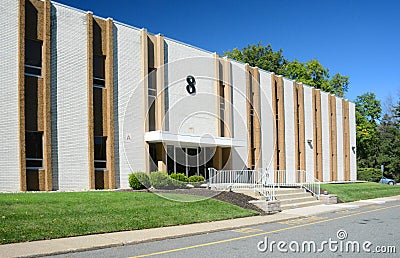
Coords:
pixel 290 198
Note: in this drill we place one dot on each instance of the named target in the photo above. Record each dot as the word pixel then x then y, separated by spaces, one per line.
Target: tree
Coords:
pixel 260 56
pixel 389 141
pixel 339 84
pixel 312 73
pixel 368 113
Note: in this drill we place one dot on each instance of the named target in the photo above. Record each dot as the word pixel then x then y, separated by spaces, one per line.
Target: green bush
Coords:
pixel 139 180
pixel 194 179
pixel 369 174
pixel 161 180
pixel 179 180
pixel 179 176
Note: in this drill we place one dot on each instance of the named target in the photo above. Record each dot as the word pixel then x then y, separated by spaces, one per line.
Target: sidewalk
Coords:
pixel 90 242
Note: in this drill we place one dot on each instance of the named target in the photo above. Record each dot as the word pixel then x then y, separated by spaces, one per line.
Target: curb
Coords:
pixel 124 238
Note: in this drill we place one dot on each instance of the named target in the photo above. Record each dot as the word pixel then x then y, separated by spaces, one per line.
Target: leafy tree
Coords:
pixel 368 113
pixel 389 147
pixel 261 56
pixel 312 73
pixel 369 107
pixel 339 84
pixel 389 142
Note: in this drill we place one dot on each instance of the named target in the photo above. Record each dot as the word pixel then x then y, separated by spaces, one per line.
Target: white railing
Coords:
pixel 262 181
pixel 256 180
pixel 298 178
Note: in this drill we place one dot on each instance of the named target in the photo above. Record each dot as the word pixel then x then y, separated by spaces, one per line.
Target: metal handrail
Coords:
pixel 298 178
pixel 262 181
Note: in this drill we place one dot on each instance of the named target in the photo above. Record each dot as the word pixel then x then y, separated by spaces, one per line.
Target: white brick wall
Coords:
pixel 309 130
pixel 325 137
pixel 69 99
pixel 267 123
pixel 9 144
pixel 191 114
pixel 353 154
pixel 188 114
pixel 339 130
pixel 289 130
pixel 239 154
pixel 129 114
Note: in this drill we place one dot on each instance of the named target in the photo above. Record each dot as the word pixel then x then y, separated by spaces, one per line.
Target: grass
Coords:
pixel 38 216
pixel 360 191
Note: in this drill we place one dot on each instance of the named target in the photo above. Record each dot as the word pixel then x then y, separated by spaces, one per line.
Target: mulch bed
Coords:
pixel 238 199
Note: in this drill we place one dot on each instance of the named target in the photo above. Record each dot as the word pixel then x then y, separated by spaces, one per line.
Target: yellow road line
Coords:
pixel 262 233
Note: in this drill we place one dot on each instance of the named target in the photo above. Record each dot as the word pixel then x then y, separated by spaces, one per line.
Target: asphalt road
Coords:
pixel 370 231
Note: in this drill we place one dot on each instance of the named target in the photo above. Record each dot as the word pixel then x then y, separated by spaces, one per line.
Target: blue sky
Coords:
pixel 360 39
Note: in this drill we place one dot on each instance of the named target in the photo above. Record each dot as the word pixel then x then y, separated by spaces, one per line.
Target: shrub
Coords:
pixel 139 180
pixel 194 179
pixel 179 176
pixel 161 180
pixel 369 174
pixel 179 180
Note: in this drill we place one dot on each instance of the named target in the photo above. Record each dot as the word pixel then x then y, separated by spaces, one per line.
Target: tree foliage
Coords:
pixel 261 56
pixel 378 135
pixel 312 73
pixel 368 112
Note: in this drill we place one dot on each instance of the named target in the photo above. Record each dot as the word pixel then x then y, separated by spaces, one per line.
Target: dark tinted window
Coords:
pixel 33 57
pixel 33 53
pixel 100 151
pixel 34 149
pixel 99 70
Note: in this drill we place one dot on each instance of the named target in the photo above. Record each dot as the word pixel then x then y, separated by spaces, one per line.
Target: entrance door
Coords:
pixel 189 160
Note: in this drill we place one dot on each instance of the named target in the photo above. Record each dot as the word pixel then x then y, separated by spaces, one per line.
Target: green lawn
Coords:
pixel 360 191
pixel 36 216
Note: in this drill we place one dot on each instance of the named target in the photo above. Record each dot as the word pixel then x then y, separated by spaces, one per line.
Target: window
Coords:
pixel 100 160
pixel 99 71
pixel 152 94
pixel 33 58
pixel 34 150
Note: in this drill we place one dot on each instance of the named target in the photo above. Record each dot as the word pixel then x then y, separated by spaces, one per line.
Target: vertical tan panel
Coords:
pixel 346 139
pixel 217 159
pixel 317 135
pixel 333 137
pixel 227 79
pixel 110 102
pixel 21 93
pixel 160 103
pixel 90 101
pixel 161 156
pixel 48 186
pixel 281 120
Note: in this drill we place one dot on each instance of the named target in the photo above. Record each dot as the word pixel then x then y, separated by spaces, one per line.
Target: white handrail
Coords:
pixel 263 182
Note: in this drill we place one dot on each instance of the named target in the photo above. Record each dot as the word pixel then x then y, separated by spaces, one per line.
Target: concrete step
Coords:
pixel 283 197
pixel 298 200
pixel 251 193
pixel 279 191
pixel 299 205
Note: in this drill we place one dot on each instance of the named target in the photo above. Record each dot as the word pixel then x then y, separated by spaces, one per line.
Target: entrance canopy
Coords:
pixel 191 139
